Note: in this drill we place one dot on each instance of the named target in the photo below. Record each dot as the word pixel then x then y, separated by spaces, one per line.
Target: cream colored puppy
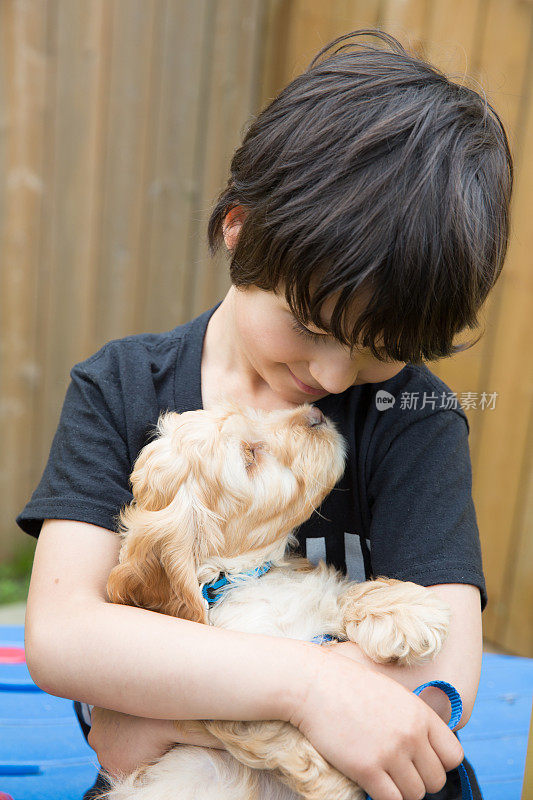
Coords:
pixel 221 491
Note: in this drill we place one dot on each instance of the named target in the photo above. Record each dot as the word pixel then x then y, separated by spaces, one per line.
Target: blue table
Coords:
pixel 495 738
pixel 43 753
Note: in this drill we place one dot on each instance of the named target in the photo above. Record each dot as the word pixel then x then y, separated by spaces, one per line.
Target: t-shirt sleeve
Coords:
pixel 86 477
pixel 423 521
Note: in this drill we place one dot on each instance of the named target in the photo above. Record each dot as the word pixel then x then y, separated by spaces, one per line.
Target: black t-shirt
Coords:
pixel 403 508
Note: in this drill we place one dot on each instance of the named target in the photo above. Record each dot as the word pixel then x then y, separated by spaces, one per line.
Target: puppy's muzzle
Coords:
pixel 314 416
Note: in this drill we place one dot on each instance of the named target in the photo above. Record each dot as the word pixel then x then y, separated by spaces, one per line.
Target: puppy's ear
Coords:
pixel 166 533
pixel 159 469
pixel 158 562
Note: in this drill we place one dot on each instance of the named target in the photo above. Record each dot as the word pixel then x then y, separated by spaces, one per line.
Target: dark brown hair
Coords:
pixel 373 170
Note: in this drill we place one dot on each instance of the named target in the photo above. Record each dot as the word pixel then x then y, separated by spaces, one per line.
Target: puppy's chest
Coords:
pixel 282 603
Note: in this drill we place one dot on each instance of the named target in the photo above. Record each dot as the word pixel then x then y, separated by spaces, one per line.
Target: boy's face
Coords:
pixel 298 366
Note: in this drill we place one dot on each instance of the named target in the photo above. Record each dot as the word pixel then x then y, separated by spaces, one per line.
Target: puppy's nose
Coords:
pixel 315 417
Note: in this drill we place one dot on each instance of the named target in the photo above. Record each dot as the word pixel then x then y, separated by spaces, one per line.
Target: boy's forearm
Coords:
pixel 459 661
pixel 150 665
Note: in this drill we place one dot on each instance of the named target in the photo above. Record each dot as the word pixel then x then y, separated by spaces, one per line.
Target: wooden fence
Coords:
pixel 118 119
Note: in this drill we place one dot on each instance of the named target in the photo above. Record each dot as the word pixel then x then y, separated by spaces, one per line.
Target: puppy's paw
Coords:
pixel 395 621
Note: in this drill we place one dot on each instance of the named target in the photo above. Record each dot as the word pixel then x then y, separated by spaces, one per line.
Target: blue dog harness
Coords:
pixel 324 637
pixel 214 591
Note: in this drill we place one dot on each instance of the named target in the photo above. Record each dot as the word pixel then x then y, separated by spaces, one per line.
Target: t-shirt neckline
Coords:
pixel 189 397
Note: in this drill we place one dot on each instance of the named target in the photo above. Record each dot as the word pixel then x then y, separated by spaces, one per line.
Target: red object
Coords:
pixel 4 796
pixel 11 655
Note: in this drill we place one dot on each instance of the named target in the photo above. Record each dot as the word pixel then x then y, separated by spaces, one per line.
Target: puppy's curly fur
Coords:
pixel 222 491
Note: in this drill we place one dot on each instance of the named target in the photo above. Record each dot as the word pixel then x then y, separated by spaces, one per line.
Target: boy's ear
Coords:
pixel 231 227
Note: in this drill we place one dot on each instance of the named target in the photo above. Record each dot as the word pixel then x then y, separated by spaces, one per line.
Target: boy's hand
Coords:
pixel 375 731
pixel 434 698
pixel 123 742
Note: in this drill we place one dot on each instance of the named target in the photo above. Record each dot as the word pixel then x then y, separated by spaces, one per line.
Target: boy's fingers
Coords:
pixel 408 781
pixel 446 745
pixel 382 787
pixel 431 771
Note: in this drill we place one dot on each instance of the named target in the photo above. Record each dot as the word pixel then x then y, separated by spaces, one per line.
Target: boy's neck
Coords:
pixel 225 364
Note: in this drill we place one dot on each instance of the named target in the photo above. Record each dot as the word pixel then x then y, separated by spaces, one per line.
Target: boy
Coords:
pixel 367 219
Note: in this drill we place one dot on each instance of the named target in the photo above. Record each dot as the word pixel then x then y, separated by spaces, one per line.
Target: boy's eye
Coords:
pixel 306 333
pixel 301 330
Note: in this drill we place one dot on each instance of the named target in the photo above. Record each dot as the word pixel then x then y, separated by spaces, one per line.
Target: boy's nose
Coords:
pixel 315 417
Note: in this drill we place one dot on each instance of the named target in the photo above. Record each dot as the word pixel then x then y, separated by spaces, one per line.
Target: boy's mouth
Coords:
pixel 305 388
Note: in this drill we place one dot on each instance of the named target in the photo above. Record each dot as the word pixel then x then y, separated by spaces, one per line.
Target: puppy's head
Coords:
pixel 218 484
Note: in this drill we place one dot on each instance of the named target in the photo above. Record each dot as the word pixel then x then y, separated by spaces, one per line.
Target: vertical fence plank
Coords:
pixel 276 25
pixel 22 30
pixel 351 15
pixel 408 21
pixel 452 33
pixel 69 236
pixel 308 32
pixel 131 111
pixel 515 630
pixel 233 75
pixel 173 190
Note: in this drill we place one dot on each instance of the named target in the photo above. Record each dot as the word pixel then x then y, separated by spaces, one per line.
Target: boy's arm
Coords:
pixel 459 661
pixel 153 666
pixel 134 660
